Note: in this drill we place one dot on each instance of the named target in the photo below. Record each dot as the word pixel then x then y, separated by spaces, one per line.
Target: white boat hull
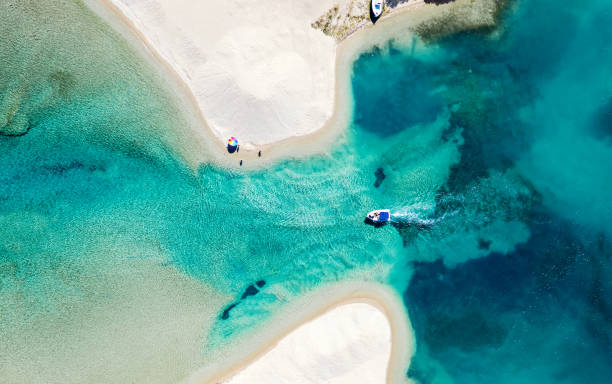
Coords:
pixel 379 216
pixel 377 7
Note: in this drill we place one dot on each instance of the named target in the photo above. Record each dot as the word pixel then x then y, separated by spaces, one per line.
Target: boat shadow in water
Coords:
pixel 375 224
pixel 407 229
pixel 402 224
pixel 395 3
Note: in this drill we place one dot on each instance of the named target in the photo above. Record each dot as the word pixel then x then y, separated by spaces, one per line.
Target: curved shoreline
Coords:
pixel 201 145
pixel 236 357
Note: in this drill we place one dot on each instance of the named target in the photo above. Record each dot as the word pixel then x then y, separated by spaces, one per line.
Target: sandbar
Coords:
pixel 348 344
pixel 258 71
pixel 337 299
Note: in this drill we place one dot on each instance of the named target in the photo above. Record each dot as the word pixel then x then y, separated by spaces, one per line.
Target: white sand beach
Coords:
pixel 258 71
pixel 264 71
pixel 349 344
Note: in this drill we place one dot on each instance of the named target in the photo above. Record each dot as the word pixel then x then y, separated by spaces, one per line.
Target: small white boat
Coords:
pixel 379 216
pixel 377 7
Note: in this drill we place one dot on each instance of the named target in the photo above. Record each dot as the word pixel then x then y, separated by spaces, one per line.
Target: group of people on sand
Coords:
pixel 237 149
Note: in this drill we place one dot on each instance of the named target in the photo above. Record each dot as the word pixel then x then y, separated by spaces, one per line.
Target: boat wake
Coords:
pixel 416 216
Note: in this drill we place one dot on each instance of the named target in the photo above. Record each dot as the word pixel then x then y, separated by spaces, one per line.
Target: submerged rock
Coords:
pixel 484 244
pixel 250 291
pixel 226 312
pixel 380 177
pixel 460 15
pixel 468 332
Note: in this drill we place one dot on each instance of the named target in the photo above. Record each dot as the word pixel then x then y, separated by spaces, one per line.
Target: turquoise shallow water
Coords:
pixel 493 153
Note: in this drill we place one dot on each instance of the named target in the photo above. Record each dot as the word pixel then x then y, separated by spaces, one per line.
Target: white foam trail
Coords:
pixel 419 215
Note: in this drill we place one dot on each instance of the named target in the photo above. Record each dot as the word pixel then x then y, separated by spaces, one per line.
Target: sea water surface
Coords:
pixel 493 151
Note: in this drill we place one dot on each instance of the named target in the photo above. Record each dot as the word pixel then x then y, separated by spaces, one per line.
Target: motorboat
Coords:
pixel 377 7
pixel 379 216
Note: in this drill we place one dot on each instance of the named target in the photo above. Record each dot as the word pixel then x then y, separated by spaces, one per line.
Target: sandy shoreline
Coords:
pixel 197 144
pixel 237 357
pixel 200 144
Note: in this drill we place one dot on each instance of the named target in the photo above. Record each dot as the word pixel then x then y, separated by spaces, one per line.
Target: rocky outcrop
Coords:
pixel 344 18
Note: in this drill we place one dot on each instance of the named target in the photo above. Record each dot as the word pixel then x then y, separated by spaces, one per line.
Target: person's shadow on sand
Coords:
pixel 231 148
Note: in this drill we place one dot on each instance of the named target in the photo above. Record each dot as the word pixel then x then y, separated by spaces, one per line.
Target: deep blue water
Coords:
pixel 496 151
pixel 534 100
